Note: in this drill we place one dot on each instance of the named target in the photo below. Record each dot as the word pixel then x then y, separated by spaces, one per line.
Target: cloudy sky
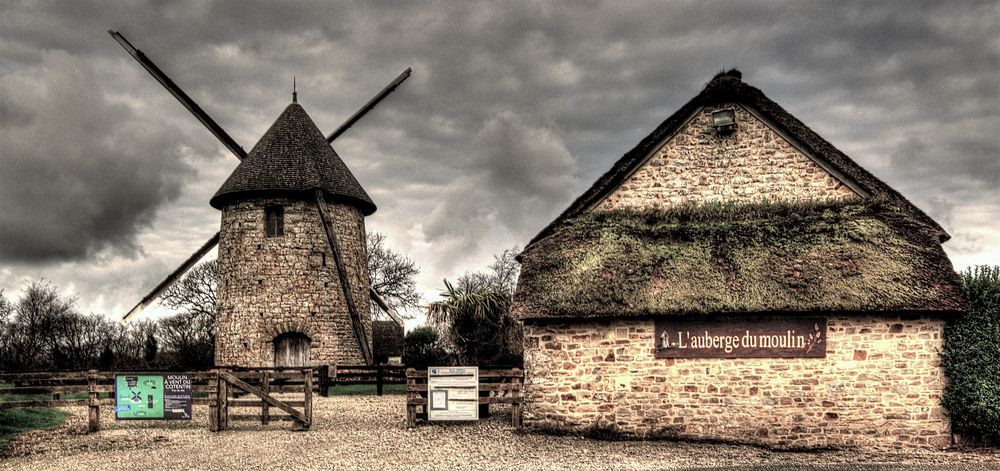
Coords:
pixel 513 109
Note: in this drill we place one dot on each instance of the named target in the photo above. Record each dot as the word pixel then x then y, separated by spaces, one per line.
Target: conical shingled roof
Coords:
pixel 293 156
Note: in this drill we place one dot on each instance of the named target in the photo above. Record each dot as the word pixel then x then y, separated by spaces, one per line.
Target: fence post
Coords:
pixel 324 380
pixel 94 412
pixel 223 403
pixel 265 385
pixel 379 379
pixel 411 395
pixel 213 402
pixel 308 408
pixel 516 407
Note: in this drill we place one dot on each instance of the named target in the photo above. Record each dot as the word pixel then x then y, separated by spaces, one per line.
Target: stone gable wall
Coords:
pixel 879 385
pixel 697 165
pixel 271 285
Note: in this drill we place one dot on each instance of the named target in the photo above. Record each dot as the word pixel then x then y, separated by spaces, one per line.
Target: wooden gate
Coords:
pixel 276 391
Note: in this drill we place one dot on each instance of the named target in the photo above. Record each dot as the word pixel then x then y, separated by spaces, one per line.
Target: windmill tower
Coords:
pixel 293 288
pixel 293 231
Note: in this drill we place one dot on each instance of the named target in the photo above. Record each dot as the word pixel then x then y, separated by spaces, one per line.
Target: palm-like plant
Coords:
pixel 477 322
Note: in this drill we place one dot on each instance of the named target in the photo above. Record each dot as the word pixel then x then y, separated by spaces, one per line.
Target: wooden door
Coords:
pixel 291 350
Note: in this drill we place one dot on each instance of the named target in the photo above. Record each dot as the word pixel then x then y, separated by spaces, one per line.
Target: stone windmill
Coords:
pixel 293 285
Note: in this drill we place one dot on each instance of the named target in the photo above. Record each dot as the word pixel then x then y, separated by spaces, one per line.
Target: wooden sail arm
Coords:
pixel 179 94
pixel 377 298
pixel 170 279
pixel 331 237
pixel 371 104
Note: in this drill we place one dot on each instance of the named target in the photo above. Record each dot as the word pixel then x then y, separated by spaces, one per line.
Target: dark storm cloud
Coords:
pixel 514 176
pixel 513 109
pixel 79 174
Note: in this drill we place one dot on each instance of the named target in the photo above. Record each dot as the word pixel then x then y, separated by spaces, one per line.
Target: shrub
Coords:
pixel 972 359
pixel 478 324
pixel 422 347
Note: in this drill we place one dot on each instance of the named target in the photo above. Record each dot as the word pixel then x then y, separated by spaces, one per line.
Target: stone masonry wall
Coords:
pixel 272 285
pixel 879 385
pixel 751 164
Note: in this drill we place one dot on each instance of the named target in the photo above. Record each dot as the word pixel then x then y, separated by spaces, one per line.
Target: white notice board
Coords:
pixel 453 393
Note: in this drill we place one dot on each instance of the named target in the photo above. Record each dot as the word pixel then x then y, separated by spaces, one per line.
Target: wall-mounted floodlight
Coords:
pixel 724 121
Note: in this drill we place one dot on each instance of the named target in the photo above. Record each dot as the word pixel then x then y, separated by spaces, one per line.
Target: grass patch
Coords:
pixel 365 389
pixel 14 422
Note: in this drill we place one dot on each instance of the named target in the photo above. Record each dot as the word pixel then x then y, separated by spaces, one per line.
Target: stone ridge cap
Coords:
pixel 728 87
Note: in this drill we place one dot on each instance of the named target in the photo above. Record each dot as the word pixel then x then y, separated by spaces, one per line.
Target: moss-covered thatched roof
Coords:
pixel 773 257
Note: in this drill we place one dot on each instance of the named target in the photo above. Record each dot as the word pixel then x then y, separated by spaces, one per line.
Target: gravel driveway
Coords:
pixel 368 432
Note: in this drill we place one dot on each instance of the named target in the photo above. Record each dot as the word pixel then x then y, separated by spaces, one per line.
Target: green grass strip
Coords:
pixel 14 422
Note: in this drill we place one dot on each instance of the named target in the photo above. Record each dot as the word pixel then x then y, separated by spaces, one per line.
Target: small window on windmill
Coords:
pixel 319 259
pixel 274 221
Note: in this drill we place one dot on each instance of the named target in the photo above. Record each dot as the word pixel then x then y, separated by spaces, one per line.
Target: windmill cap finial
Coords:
pixel 295 94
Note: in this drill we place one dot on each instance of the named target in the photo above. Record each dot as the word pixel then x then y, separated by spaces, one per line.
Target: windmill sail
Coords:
pixel 182 97
pixel 237 150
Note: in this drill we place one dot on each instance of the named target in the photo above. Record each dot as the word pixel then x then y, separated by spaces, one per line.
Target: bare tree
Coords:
pixel 6 309
pixel 188 337
pixel 195 294
pixel 500 278
pixel 43 331
pixel 37 320
pixel 392 275
pixel 80 340
pixel 128 343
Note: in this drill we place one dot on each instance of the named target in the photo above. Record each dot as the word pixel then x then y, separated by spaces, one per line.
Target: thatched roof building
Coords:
pixel 734 276
pixel 874 251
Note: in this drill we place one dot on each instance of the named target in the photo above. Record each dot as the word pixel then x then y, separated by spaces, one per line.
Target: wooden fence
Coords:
pixel 219 389
pixel 331 376
pixel 496 386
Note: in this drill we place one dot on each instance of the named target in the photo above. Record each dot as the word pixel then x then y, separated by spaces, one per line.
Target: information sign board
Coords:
pixel 453 393
pixel 141 397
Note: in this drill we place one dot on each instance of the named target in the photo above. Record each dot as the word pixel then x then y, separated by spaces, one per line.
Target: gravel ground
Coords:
pixel 368 432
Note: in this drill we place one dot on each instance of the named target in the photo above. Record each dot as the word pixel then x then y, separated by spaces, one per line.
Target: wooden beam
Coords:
pixel 179 94
pixel 371 104
pixel 331 237
pixel 385 307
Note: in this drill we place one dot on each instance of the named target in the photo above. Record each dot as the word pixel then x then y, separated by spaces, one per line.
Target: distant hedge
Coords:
pixel 423 347
pixel 972 359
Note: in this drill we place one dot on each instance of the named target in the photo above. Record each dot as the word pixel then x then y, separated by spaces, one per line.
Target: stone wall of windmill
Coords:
pixel 288 284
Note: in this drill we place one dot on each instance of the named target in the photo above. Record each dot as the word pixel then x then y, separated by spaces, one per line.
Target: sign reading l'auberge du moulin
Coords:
pixel 740 338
